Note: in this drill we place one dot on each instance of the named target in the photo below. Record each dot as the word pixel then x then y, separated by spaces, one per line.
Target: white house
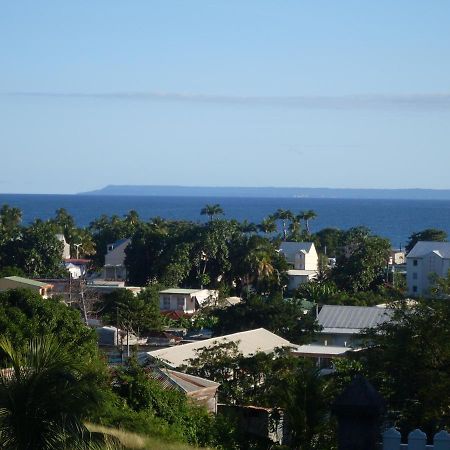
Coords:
pixel 425 259
pixel 304 262
pixel 186 300
pixel 114 268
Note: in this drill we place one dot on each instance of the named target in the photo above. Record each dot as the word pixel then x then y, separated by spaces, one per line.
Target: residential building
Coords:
pixel 303 259
pixel 200 390
pixel 186 300
pixel 77 267
pixel 341 325
pixel 397 257
pixel 248 342
pixel 427 258
pixel 44 289
pixel 114 268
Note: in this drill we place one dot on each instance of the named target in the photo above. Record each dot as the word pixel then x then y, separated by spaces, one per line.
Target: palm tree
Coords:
pixel 268 225
pixel 45 394
pixel 307 216
pixel 284 215
pixel 211 211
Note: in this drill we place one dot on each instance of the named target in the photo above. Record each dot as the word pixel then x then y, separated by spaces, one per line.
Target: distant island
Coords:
pixel 271 192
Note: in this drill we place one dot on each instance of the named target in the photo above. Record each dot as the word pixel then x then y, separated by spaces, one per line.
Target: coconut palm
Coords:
pixel 284 215
pixel 211 211
pixel 268 225
pixel 307 216
pixel 45 394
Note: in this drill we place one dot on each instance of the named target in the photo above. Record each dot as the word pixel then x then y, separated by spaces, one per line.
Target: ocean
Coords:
pixel 393 219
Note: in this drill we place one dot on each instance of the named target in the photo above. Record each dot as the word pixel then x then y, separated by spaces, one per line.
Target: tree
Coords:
pixel 430 234
pixel 284 317
pixel 328 241
pixel 211 211
pixel 24 315
pixel 307 216
pixel 268 225
pixel 45 396
pixel 408 360
pixel 362 261
pixel 138 313
pixel 284 215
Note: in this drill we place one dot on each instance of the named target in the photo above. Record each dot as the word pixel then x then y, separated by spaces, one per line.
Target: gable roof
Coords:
pixel 249 343
pixel 290 249
pixel 28 281
pixel 423 248
pixel 351 319
pixel 116 244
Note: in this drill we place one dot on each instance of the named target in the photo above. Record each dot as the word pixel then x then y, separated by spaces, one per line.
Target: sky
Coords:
pixel 315 93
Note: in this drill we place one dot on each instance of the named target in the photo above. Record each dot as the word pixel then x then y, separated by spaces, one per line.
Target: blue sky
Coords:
pixel 239 93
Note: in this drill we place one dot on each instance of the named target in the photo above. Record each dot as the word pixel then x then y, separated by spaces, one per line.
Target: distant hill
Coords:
pixel 272 192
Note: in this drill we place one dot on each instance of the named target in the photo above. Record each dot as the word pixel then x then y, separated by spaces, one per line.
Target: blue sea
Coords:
pixel 394 219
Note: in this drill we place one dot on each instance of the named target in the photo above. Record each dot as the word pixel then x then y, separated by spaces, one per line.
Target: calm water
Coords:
pixel 394 219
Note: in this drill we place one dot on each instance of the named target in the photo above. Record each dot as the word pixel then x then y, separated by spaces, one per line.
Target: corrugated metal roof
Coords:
pixel 290 249
pixel 172 379
pixel 423 248
pixel 249 343
pixel 351 317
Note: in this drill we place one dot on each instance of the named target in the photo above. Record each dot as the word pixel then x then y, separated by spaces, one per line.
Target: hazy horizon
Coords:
pixel 247 94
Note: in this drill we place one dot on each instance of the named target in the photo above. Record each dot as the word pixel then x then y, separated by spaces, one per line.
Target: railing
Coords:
pixel 417 440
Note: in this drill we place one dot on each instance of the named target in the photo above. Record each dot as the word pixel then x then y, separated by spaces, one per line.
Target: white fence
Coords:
pixel 417 440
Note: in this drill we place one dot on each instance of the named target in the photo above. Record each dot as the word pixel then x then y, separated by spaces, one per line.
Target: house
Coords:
pixel 397 257
pixel 323 355
pixel 66 247
pixel 341 325
pixel 427 258
pixel 77 267
pixel 112 336
pixel 162 338
pixel 114 268
pixel 248 342
pixel 303 259
pixel 200 390
pixel 44 289
pixel 186 301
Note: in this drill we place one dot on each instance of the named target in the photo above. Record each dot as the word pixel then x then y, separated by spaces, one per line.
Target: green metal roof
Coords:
pixel 28 281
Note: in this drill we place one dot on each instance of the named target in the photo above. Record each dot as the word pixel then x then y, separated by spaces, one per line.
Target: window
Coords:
pixel 414 288
pixel 414 275
pixel 166 302
pixel 180 304
pixel 414 262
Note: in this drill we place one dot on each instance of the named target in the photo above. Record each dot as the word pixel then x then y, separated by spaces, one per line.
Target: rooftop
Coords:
pixel 28 281
pixel 249 343
pixel 423 248
pixel 181 291
pixel 290 249
pixel 351 319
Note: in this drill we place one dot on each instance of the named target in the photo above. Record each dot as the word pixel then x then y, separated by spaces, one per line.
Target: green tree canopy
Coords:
pixel 430 234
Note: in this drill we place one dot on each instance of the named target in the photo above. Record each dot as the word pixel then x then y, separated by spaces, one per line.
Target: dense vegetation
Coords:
pixel 51 350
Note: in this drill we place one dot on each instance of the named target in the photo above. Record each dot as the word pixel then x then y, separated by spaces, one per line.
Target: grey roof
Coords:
pixel 423 248
pixel 351 319
pixel 290 249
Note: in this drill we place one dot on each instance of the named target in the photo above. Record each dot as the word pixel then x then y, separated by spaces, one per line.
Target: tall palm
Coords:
pixel 45 394
pixel 284 215
pixel 211 211
pixel 307 216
